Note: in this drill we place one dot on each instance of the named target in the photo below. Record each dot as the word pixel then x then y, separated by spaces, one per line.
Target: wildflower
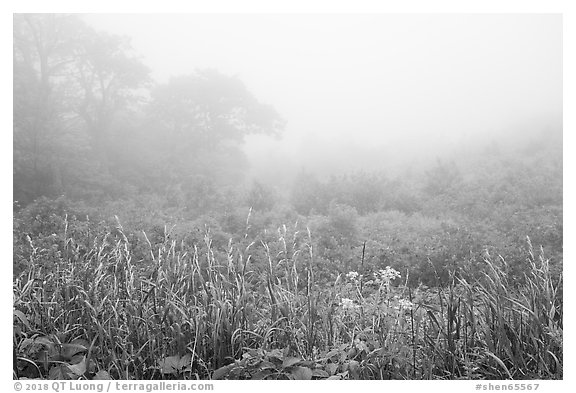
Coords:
pixel 347 303
pixel 384 276
pixel 405 304
pixel 352 276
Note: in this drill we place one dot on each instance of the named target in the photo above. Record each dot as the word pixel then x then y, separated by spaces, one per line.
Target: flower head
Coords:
pixel 347 303
pixel 384 276
pixel 405 304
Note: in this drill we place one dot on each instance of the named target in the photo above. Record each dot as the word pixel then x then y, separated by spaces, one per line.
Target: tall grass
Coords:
pixel 497 330
pixel 255 311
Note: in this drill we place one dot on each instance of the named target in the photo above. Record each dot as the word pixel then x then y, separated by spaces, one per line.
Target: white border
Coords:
pixel 298 6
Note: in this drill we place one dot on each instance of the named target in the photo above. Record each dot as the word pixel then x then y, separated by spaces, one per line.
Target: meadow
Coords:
pixel 401 223
pixel 96 302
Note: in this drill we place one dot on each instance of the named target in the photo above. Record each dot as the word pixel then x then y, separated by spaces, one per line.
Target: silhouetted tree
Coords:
pixel 69 83
pixel 198 123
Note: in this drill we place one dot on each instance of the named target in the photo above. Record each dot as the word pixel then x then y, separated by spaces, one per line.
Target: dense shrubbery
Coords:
pixel 426 235
pixel 191 307
pixel 254 285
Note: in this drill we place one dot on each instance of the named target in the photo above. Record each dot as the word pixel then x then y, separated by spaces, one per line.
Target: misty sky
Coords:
pixel 375 84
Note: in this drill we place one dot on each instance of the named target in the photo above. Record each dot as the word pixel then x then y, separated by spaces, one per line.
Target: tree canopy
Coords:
pixel 89 121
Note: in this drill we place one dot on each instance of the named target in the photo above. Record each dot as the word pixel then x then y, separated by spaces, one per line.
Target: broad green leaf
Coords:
pixel 44 341
pixel 302 373
pixel 343 375
pixel 276 354
pixel 79 368
pixel 102 375
pixel 60 371
pixel 290 361
pixel 81 342
pixel 222 371
pixel 331 368
pixel 184 362
pixel 266 364
pixel 169 365
pixel 262 374
pixel 253 353
pixel 319 373
pixel 334 377
pixel 354 369
pixel 20 315
pixel 67 351
pixel 51 350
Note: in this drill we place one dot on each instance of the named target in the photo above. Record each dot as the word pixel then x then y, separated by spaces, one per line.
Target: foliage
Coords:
pixel 70 83
pixel 260 197
pixel 203 309
pixel 309 195
pixel 88 122
pixel 141 250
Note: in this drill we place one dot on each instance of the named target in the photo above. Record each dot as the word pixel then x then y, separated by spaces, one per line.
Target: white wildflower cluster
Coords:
pixel 352 276
pixel 347 303
pixel 405 304
pixel 385 276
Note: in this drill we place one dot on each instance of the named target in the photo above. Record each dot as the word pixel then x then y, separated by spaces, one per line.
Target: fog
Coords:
pixel 368 91
pixel 287 196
